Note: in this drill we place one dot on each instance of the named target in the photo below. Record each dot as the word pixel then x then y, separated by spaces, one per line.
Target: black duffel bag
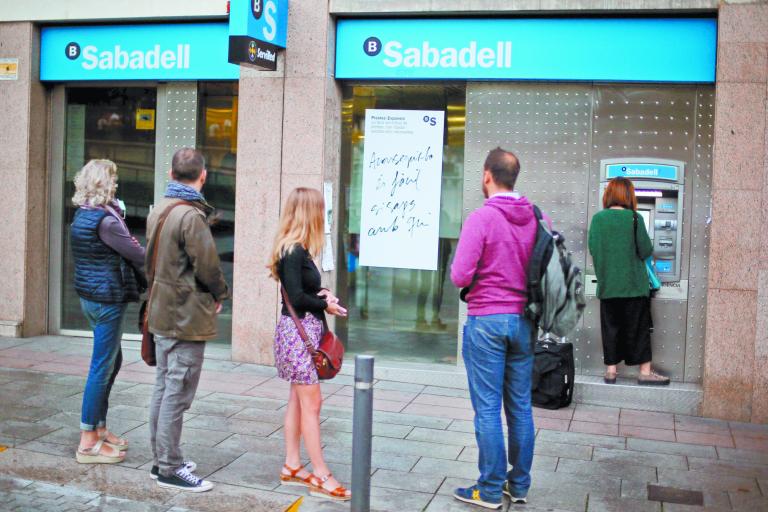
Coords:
pixel 553 374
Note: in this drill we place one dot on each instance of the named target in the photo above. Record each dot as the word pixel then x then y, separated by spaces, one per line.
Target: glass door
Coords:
pixel 116 123
pixel 217 139
pixel 400 314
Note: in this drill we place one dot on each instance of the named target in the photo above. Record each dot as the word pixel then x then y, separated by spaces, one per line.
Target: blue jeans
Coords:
pixel 106 321
pixel 498 354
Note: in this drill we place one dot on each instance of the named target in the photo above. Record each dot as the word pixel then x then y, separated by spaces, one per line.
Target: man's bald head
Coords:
pixel 187 165
pixel 504 167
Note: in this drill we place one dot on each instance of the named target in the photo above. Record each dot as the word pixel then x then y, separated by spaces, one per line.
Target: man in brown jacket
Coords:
pixel 187 287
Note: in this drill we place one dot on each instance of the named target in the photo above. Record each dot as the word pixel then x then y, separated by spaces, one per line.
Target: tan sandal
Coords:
pixel 317 490
pixel 292 479
pixel 93 455
pixel 121 444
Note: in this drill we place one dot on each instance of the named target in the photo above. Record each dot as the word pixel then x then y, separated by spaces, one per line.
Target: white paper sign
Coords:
pixel 328 199
pixel 402 168
pixel 327 259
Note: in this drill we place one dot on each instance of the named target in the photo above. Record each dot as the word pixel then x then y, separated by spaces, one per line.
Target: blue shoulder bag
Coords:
pixel 654 283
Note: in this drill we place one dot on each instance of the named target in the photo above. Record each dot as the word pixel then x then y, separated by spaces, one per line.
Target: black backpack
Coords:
pixel 553 374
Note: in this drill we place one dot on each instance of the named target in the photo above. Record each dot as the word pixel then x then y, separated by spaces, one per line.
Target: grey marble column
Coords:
pixel 23 208
pixel 288 136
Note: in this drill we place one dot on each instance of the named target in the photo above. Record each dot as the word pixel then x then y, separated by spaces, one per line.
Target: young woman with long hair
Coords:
pixel 299 239
pixel 619 246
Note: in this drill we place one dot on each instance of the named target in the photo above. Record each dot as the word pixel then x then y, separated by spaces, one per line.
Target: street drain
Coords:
pixel 675 495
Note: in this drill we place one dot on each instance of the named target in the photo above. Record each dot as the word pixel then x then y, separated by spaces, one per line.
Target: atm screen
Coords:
pixel 646 215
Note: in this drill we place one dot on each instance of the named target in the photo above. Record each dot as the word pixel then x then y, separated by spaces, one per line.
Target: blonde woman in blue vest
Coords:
pixel 109 274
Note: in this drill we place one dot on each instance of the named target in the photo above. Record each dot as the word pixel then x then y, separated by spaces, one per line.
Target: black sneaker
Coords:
pixel 184 480
pixel 515 499
pixel 191 467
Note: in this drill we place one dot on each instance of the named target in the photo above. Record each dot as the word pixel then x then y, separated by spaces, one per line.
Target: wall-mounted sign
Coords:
pixel 9 69
pixel 258 29
pixel 402 171
pixel 642 171
pixel 145 119
pixel 179 51
pixel 604 49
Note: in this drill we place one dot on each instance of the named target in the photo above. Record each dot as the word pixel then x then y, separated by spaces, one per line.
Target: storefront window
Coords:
pixel 217 139
pixel 400 314
pixel 116 123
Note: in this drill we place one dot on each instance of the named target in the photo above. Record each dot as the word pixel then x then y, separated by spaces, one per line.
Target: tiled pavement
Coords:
pixel 587 458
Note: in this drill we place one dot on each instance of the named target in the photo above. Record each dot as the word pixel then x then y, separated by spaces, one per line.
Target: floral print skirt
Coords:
pixel 292 359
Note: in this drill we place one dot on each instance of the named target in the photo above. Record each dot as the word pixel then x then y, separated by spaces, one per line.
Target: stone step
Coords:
pixel 678 397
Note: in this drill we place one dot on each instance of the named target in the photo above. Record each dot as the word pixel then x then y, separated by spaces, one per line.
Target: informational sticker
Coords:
pixel 327 258
pixel 75 139
pixel 402 169
pixel 145 119
pixel 9 69
pixel 328 200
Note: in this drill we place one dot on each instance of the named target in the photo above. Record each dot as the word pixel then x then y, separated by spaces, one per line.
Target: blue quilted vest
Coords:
pixel 101 274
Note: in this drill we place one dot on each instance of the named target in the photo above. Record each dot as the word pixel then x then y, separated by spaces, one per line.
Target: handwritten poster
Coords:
pixel 402 168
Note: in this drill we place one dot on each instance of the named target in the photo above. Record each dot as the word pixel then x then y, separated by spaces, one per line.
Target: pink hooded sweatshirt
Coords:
pixel 494 248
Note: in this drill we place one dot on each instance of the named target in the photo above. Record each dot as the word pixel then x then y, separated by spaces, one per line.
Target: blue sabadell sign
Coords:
pixel 642 171
pixel 573 49
pixel 178 51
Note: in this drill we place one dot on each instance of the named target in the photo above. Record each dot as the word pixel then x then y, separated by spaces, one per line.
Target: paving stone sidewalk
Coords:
pixel 587 458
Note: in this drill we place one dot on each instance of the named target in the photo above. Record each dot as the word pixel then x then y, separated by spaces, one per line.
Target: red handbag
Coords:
pixel 329 355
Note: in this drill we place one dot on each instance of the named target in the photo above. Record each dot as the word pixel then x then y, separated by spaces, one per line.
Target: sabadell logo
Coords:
pixel 116 57
pixel 473 55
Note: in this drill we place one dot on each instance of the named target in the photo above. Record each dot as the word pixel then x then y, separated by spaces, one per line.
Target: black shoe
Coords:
pixel 191 467
pixel 184 480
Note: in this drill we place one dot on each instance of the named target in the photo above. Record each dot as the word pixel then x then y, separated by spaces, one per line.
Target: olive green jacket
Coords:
pixel 188 281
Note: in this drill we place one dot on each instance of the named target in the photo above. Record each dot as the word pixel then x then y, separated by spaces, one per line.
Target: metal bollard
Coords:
pixel 362 431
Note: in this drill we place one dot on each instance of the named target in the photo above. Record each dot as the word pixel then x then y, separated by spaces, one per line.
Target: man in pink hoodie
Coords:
pixel 492 259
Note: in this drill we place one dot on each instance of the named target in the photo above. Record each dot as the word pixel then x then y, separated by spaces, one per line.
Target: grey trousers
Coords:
pixel 179 364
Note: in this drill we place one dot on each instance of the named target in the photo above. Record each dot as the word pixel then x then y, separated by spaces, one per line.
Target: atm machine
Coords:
pixel 659 188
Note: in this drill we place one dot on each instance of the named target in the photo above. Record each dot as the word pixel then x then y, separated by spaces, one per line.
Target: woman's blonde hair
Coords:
pixel 302 222
pixel 96 183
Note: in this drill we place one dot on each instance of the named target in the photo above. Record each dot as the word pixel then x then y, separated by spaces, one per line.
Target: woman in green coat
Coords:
pixel 622 283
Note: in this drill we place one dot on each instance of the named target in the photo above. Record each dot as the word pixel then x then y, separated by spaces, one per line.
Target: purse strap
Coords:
pixel 155 238
pixel 634 219
pixel 299 326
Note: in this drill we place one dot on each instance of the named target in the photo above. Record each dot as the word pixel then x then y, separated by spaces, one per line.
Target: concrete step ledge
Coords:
pixel 678 397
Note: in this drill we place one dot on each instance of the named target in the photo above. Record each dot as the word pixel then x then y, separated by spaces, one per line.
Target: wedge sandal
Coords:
pixel 292 479
pixel 93 455
pixel 317 490
pixel 121 443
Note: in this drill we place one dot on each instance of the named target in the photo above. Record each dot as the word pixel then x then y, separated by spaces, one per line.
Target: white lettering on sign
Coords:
pixel 266 55
pixel 270 31
pixel 120 59
pixel 428 56
pixel 643 172
pixel 402 178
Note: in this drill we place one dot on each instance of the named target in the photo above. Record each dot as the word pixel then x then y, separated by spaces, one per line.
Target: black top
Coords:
pixel 301 279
